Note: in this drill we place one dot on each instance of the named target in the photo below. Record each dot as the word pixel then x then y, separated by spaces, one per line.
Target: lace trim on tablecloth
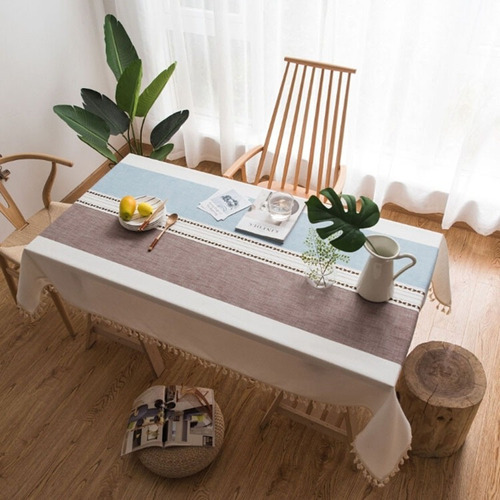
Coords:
pixel 360 465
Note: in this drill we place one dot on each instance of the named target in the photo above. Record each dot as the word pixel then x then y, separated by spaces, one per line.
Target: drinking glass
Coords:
pixel 280 206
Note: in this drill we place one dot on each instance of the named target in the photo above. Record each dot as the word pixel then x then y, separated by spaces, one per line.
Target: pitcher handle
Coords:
pixel 411 264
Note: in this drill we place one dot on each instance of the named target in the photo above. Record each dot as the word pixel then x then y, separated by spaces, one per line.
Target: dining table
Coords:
pixel 242 301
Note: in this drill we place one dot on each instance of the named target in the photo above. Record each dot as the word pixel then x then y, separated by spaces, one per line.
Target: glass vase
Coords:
pixel 321 274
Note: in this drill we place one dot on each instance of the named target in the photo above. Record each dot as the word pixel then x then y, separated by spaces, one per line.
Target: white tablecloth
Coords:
pixel 242 340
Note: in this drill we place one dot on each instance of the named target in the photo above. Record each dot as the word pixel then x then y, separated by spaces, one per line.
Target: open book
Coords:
pixel 171 416
pixel 258 221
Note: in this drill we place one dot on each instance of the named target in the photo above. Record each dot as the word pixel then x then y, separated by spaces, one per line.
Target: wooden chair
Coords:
pixel 12 247
pixel 303 147
pixel 340 429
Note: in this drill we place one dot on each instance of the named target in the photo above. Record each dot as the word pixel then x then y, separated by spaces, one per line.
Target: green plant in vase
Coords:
pixel 321 259
pixel 101 117
pixel 344 232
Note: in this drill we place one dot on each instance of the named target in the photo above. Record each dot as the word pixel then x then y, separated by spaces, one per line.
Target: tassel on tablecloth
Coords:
pixel 41 309
pixel 440 306
pixel 440 288
pixel 205 363
pixel 380 483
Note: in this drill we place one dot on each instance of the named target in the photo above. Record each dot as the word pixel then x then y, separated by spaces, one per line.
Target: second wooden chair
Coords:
pixel 303 147
pixel 11 249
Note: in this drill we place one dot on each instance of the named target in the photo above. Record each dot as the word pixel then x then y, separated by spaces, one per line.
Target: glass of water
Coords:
pixel 280 206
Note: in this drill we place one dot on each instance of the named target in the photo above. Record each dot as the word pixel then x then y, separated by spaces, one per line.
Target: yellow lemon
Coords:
pixel 127 207
pixel 144 209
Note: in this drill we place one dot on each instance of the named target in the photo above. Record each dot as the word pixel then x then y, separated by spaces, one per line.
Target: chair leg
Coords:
pixel 11 283
pixel 154 357
pixel 345 417
pixel 152 352
pixel 62 311
pixel 91 333
pixel 348 426
pixel 269 413
pixel 306 418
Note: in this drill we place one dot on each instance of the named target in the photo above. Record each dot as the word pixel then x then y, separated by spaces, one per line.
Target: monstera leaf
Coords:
pixel 346 220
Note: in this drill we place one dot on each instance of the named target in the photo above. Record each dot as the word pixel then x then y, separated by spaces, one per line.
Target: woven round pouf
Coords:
pixel 182 461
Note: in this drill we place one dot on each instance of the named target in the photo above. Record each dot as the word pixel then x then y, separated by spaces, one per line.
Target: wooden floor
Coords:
pixel 64 408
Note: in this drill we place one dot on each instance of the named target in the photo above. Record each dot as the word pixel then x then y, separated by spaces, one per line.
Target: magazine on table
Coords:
pixel 222 204
pixel 258 221
pixel 173 415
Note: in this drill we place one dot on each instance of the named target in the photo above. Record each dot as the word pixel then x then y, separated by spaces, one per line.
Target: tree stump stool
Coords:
pixel 440 388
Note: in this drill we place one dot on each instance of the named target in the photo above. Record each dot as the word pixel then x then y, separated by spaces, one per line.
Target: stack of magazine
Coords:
pixel 258 221
pixel 174 415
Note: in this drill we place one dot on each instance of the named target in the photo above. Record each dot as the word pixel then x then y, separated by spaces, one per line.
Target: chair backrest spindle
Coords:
pixel 282 130
pixel 331 148
pixel 324 135
pixel 342 127
pixel 303 136
pixel 294 127
pixel 271 126
pixel 315 127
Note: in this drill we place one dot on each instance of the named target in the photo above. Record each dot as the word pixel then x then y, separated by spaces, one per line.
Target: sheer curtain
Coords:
pixel 423 127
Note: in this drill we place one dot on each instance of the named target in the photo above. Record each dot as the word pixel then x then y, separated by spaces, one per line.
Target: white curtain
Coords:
pixel 423 127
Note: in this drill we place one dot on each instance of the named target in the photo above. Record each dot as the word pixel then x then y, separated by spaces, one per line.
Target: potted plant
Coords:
pixel 101 117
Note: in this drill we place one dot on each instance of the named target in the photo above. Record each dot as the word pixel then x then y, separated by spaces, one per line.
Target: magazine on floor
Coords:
pixel 257 220
pixel 173 415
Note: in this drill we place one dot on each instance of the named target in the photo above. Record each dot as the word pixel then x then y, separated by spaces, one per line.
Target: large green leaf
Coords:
pixel 129 87
pixel 167 128
pixel 104 107
pixel 91 129
pixel 153 90
pixel 83 122
pixel 162 153
pixel 346 221
pixel 120 52
pixel 100 146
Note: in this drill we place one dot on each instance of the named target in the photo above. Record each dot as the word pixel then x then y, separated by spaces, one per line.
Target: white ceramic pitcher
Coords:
pixel 376 282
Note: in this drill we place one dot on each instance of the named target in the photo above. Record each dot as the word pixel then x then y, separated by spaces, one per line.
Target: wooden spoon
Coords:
pixel 171 219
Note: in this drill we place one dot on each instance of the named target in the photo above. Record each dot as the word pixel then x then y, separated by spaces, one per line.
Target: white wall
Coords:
pixel 49 51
